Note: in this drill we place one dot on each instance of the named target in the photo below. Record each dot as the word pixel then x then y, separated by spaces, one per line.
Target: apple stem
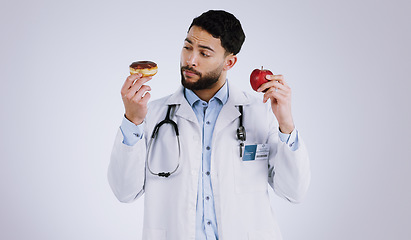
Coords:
pixel 262 67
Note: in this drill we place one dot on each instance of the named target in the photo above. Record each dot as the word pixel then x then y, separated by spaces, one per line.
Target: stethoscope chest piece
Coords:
pixel 241 134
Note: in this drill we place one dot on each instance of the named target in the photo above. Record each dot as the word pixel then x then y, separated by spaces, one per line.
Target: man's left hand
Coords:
pixel 279 92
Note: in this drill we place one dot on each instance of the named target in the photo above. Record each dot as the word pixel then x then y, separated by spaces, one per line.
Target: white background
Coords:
pixel 63 64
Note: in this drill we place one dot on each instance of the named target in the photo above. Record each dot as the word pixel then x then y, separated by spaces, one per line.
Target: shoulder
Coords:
pixel 241 97
pixel 255 102
pixel 175 98
pixel 159 106
pixel 256 108
pixel 253 99
pixel 158 102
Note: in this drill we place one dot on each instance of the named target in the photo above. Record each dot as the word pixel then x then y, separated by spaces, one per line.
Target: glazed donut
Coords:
pixel 147 68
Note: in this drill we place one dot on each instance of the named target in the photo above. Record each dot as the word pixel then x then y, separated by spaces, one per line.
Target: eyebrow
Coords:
pixel 201 46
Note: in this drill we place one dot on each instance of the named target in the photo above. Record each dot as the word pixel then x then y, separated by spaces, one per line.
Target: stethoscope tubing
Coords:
pixel 163 174
pixel 154 135
pixel 241 136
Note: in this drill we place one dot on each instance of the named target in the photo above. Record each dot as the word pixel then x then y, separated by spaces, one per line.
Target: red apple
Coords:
pixel 257 77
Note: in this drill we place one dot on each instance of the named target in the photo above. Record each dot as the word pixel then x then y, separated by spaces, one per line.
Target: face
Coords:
pixel 202 60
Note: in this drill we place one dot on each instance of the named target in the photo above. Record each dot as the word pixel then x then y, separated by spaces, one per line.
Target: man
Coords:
pixel 208 182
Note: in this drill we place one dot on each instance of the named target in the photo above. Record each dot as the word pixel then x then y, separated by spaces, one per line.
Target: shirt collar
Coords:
pixel 221 95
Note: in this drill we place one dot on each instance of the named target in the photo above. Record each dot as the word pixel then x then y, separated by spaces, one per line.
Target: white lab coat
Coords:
pixel 240 188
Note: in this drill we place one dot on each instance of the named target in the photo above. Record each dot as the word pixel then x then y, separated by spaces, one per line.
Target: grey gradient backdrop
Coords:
pixel 63 64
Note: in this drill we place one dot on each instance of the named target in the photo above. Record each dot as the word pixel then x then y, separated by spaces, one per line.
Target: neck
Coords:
pixel 207 94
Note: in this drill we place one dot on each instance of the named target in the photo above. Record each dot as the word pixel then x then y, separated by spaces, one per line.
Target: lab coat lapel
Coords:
pixel 230 111
pixel 184 109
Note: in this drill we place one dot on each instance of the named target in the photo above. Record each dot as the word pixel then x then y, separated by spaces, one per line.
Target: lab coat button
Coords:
pixel 208 173
pixel 208 147
pixel 209 223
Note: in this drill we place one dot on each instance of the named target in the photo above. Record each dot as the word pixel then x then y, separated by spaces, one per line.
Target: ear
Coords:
pixel 229 62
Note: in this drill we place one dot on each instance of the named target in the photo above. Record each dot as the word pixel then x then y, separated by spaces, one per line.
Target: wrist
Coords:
pixel 286 128
pixel 135 121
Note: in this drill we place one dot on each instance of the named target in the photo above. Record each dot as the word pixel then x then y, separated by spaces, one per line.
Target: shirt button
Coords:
pixel 208 173
pixel 209 223
pixel 207 198
pixel 208 147
pixel 208 122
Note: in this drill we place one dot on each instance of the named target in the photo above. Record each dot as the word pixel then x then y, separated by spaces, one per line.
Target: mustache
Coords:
pixel 191 70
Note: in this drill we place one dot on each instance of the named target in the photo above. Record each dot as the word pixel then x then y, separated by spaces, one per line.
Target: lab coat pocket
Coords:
pixel 250 176
pixel 154 234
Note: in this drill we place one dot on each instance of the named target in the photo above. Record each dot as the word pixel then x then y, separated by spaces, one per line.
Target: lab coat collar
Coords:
pixel 221 95
pixel 235 96
pixel 184 109
pixel 228 113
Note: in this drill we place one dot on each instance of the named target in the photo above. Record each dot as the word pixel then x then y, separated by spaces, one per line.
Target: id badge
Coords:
pixel 256 152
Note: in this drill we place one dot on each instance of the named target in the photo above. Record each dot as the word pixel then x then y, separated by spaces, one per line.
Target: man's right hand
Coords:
pixel 135 97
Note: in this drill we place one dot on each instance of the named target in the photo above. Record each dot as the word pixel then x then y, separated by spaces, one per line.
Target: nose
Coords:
pixel 192 60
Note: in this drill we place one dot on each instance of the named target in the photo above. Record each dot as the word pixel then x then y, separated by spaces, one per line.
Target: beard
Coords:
pixel 205 81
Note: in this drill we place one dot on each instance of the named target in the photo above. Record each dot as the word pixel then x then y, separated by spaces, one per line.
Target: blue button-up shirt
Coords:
pixel 207 113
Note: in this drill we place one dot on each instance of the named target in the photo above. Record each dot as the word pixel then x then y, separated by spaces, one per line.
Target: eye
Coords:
pixel 204 54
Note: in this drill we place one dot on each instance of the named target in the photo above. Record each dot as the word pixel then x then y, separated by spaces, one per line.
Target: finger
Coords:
pixel 136 86
pixel 139 94
pixel 270 84
pixel 145 98
pixel 279 78
pixel 129 82
pixel 279 86
pixel 275 94
pixel 270 93
pixel 265 86
pixel 143 80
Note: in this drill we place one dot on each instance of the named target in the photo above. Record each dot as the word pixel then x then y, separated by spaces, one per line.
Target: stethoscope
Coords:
pixel 241 137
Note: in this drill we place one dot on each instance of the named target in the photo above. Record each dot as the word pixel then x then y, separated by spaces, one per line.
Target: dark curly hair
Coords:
pixel 223 25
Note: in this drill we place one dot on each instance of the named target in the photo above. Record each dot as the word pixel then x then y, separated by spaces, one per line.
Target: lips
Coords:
pixel 188 72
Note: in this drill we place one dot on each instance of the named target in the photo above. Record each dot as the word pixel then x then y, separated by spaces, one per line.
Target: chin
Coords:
pixel 191 79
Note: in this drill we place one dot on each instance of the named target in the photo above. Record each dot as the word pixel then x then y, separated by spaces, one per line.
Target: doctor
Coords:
pixel 208 182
